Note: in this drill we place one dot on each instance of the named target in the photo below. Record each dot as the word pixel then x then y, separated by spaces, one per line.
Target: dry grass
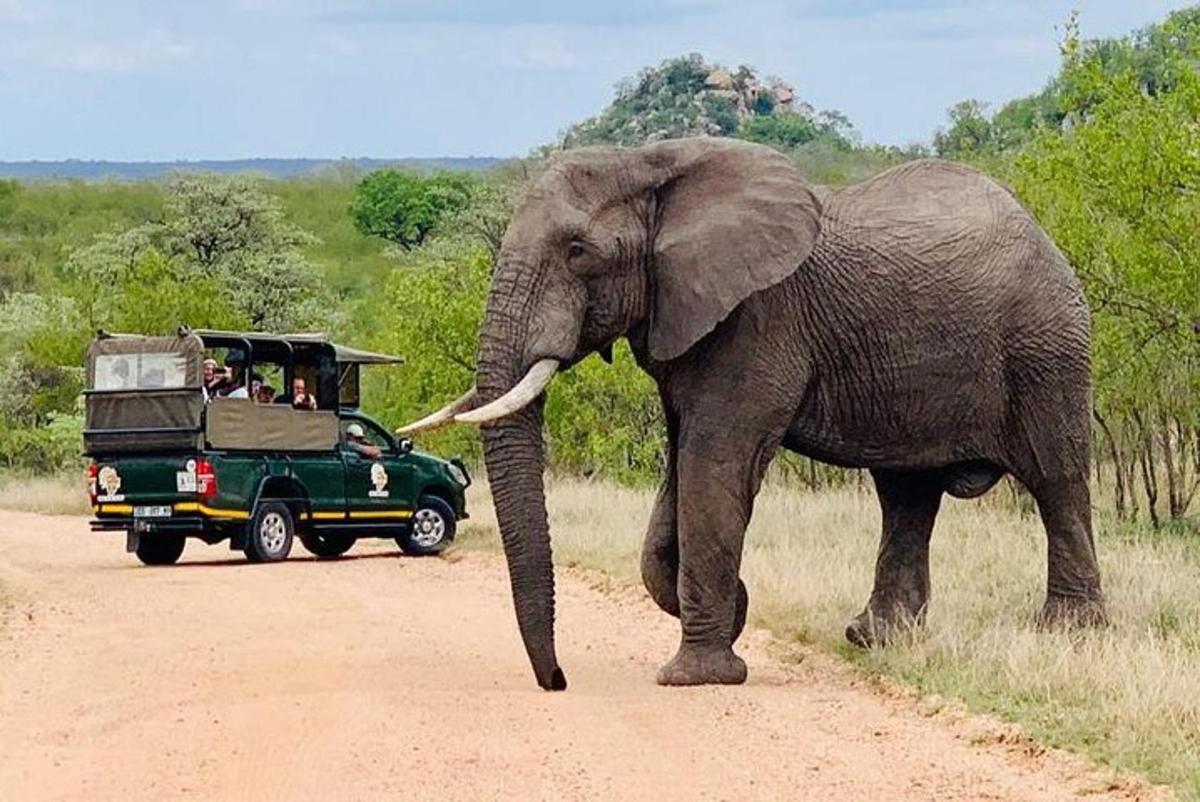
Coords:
pixel 47 495
pixel 1127 696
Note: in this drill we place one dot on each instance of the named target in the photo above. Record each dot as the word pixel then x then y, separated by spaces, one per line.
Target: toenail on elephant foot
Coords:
pixel 691 666
pixel 869 629
pixel 739 615
pixel 1069 612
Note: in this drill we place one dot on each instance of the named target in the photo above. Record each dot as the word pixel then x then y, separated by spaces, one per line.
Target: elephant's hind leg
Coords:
pixel 1073 594
pixel 1051 445
pixel 660 551
pixel 910 503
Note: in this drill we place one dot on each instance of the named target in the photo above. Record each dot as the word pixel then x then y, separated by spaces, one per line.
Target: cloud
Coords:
pixel 155 49
pixel 539 52
pixel 519 12
pixel 14 11
pixel 431 77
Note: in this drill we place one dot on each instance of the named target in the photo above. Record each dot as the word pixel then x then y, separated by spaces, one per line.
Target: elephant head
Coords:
pixel 663 241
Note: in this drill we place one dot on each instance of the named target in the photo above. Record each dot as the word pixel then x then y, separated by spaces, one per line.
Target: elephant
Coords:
pixel 918 324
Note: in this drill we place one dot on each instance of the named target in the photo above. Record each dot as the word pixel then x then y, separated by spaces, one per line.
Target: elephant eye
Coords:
pixel 575 250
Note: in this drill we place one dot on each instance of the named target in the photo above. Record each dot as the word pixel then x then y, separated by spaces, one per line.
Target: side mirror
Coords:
pixel 403 446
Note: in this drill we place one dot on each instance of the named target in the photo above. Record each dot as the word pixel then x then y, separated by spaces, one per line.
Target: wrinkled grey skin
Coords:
pixel 919 325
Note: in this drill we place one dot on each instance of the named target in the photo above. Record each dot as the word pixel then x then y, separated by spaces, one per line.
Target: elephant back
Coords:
pixel 934 212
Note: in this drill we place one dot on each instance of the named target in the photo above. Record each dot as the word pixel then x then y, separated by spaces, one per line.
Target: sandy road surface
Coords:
pixel 381 677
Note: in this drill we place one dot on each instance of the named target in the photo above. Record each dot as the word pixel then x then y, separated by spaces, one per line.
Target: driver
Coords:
pixel 356 440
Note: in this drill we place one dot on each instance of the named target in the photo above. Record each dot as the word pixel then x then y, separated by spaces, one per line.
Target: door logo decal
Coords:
pixel 110 482
pixel 379 478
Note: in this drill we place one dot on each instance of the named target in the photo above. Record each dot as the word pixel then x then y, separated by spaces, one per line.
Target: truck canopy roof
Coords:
pixel 343 354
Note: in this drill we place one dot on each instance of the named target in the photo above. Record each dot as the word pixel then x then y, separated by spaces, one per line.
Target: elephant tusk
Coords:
pixel 442 417
pixel 529 388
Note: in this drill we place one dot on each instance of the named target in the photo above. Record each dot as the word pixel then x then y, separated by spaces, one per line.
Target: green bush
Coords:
pixel 51 449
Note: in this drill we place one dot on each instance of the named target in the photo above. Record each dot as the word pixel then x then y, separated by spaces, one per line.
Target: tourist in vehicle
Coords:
pixel 356 440
pixel 213 378
pixel 233 383
pixel 300 397
pixel 237 383
pixel 265 394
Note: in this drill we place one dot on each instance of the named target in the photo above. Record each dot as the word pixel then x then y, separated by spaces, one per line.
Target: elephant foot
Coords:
pixel 878 627
pixel 1071 612
pixel 693 666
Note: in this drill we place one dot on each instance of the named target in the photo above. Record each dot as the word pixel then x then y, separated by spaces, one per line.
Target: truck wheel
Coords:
pixel 270 537
pixel 160 549
pixel 330 544
pixel 432 528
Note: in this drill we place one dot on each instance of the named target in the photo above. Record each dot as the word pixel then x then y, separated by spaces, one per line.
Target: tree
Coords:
pixel 1119 191
pixel 1154 57
pixel 405 208
pixel 486 217
pixel 780 130
pixel 970 132
pixel 222 236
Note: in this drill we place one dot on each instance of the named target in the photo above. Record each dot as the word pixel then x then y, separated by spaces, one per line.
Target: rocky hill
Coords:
pixel 686 97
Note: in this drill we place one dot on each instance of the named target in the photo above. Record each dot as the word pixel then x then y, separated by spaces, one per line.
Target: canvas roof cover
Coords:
pixel 143 394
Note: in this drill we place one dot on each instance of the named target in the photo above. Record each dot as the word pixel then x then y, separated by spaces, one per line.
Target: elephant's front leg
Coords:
pixel 660 551
pixel 718 475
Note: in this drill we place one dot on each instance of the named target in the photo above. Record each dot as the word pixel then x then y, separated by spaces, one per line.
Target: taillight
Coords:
pixel 206 479
pixel 93 473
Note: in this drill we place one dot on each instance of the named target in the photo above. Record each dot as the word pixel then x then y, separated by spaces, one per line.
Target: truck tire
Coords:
pixel 431 530
pixel 269 538
pixel 161 549
pixel 327 544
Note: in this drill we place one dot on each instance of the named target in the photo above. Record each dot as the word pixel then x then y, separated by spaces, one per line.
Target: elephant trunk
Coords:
pixel 514 454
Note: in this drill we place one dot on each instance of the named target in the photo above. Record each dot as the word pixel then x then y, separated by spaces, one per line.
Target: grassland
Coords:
pixel 48 495
pixel 1127 696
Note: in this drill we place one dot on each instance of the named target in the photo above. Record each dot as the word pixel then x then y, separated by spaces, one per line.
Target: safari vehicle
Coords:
pixel 170 462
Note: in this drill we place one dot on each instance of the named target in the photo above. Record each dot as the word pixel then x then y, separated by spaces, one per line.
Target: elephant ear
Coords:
pixel 732 219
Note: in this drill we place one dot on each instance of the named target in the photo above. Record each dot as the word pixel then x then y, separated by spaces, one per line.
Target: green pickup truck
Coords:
pixel 181 447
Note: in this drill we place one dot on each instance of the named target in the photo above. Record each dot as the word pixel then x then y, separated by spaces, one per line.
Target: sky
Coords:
pixel 219 79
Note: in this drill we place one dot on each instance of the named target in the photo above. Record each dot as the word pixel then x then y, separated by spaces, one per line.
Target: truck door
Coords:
pixel 377 489
pixel 323 474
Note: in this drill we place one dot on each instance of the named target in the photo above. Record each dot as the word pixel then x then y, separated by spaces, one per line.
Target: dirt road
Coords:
pixel 381 677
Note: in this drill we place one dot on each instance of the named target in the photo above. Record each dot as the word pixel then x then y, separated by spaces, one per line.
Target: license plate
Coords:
pixel 152 512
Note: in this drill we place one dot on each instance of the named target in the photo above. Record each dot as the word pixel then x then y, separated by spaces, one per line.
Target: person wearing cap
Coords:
pixel 356 440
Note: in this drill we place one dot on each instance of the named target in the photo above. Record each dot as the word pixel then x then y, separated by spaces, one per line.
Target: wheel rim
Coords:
pixel 429 527
pixel 272 533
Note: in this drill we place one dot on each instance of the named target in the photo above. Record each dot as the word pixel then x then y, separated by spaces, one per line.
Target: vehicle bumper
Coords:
pixel 187 518
pixel 194 524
